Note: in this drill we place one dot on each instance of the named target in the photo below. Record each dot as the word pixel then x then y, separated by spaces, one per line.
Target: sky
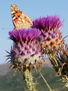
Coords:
pixel 34 9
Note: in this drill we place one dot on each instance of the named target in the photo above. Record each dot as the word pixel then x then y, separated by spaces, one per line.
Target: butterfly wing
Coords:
pixel 20 20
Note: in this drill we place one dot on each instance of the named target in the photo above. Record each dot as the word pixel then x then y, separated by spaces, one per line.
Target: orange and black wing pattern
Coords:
pixel 20 20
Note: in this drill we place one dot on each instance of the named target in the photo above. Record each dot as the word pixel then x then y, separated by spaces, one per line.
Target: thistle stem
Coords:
pixel 46 82
pixel 29 80
pixel 53 61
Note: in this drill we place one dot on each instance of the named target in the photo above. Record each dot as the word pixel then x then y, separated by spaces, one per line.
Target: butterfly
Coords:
pixel 20 20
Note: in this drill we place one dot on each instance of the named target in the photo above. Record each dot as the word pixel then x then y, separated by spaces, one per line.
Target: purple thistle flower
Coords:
pixel 39 23
pixel 51 37
pixel 26 49
pixel 47 23
pixel 24 34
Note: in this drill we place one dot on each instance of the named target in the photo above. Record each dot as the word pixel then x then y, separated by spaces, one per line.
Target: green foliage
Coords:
pixel 14 81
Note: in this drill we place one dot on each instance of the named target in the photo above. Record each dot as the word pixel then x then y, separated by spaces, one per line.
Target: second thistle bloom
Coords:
pixel 25 51
pixel 51 37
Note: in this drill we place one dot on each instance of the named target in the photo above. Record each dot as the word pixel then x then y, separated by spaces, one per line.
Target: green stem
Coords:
pixel 46 82
pixel 29 80
pixel 53 61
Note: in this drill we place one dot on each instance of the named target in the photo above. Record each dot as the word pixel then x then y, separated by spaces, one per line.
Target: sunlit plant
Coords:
pixel 62 58
pixel 25 53
pixel 51 36
pixel 30 45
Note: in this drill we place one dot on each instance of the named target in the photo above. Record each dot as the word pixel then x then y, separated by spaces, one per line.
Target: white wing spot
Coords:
pixel 23 20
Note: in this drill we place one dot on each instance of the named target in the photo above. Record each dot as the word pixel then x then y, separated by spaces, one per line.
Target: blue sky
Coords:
pixel 34 9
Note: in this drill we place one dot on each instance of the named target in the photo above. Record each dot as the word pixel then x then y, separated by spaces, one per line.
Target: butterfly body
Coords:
pixel 20 20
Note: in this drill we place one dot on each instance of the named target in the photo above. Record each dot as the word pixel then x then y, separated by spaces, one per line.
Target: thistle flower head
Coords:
pixel 25 50
pixel 47 23
pixel 24 34
pixel 51 37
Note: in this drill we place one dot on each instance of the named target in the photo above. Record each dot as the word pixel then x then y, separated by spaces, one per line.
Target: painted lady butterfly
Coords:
pixel 20 20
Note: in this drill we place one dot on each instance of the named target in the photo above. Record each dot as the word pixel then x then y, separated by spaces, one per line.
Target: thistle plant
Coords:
pixel 51 37
pixel 29 45
pixel 25 53
pixel 62 58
